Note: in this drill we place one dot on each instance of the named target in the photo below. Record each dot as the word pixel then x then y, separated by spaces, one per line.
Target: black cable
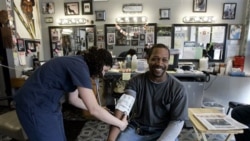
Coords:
pixel 211 83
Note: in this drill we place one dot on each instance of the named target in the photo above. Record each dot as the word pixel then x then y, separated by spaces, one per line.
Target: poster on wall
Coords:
pixel 218 34
pixel 27 21
pixel 204 35
pixel 150 38
pixel 48 8
pixel 110 38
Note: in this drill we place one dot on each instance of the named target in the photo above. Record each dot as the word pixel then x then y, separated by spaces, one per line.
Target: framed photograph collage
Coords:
pixel 229 11
pixel 129 35
pixel 28 45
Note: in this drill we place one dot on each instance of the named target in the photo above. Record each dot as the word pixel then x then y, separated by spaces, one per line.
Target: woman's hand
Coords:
pixel 125 123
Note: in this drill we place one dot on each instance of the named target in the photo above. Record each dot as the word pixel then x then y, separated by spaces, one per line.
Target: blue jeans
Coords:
pixel 130 134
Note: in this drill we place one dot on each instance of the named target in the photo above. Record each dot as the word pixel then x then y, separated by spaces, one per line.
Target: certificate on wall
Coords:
pixel 218 34
pixel 204 35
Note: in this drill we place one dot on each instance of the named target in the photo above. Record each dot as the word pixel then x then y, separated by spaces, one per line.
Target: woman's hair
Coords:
pixel 96 59
pixel 131 52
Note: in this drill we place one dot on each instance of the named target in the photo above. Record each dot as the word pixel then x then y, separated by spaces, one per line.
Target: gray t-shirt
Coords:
pixel 157 104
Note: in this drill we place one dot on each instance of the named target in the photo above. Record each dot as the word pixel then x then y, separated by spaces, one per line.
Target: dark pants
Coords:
pixel 41 125
pixel 242 114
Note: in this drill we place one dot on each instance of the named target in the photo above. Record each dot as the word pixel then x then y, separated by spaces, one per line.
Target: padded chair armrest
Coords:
pixel 233 104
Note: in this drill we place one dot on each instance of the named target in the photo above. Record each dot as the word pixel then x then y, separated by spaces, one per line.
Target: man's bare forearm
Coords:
pixel 115 131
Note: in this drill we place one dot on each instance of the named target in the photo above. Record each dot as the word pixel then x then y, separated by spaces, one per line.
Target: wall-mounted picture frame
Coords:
pixel 199 5
pixel 110 38
pixel 229 11
pixel 48 19
pixel 150 38
pixel 165 14
pixel 87 7
pixel 71 8
pixel 30 46
pixel 132 8
pixel 100 15
pixel 134 42
pixel 142 37
pixel 20 45
pixel 48 8
pixel 235 31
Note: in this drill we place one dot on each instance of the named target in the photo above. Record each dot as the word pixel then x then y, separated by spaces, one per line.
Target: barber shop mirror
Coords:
pixel 68 40
pixel 195 41
pixel 123 37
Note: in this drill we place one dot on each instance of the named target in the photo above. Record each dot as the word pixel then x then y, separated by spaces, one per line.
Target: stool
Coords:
pixel 10 126
pixel 233 104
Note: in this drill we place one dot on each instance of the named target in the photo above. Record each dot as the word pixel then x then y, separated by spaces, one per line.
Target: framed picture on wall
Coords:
pixel 199 5
pixel 142 37
pixel 229 11
pixel 134 42
pixel 71 8
pixel 48 19
pixel 150 38
pixel 30 46
pixel 235 31
pixel 48 8
pixel 87 8
pixel 110 38
pixel 20 45
pixel 165 14
pixel 100 15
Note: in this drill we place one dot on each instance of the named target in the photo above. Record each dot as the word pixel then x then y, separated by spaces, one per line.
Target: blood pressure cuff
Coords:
pixel 126 102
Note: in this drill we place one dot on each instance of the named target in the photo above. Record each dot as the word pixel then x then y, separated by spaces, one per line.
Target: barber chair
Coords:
pixel 233 104
pixel 10 125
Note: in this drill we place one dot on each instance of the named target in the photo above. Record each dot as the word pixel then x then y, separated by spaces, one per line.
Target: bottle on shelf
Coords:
pixel 128 61
pixel 134 63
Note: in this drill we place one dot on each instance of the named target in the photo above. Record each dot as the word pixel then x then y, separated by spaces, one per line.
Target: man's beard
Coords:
pixel 158 71
pixel 29 17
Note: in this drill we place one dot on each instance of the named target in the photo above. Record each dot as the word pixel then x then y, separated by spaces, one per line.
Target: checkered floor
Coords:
pixel 94 130
pixel 97 131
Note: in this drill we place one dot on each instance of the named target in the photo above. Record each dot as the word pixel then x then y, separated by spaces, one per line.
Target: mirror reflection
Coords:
pixel 69 40
pixel 197 41
pixel 123 37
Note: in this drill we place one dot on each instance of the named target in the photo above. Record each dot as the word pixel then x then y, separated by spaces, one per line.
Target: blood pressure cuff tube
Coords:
pixel 126 102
